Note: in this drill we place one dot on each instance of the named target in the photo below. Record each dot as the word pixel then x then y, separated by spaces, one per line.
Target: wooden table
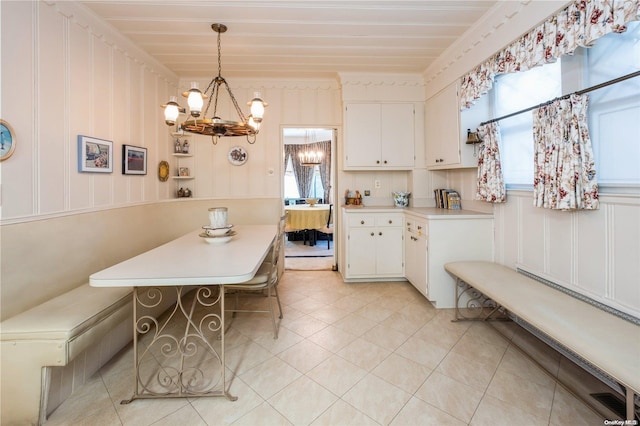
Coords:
pixel 173 353
pixel 303 217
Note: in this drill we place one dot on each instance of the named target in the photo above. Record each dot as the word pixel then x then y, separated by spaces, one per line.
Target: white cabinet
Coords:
pixel 415 253
pixel 446 130
pixel 447 238
pixel 374 245
pixel 379 136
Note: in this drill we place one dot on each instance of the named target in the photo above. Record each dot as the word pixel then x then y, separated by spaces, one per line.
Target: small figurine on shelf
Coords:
pixel 177 148
pixel 358 198
pixel 185 147
pixel 187 193
pixel 180 193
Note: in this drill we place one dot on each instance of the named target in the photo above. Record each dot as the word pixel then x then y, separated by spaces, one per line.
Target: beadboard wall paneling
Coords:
pixel 71 75
pixel 595 253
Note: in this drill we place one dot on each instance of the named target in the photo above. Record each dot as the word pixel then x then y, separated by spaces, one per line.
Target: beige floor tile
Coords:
pixel 306 326
pixel 305 355
pixel 184 416
pixel 427 353
pixel 329 314
pixel 468 370
pixel 402 372
pixel 364 354
pixel 302 401
pixel 452 397
pixel 385 337
pixel 403 322
pixel 379 399
pixel 286 339
pixel 418 413
pixel 375 311
pixel 567 409
pixel 343 414
pixel 493 412
pixel 263 415
pixel 308 305
pixel 350 303
pixel 531 397
pixel 270 377
pixel 332 338
pixel 244 357
pixel 520 365
pixel 337 374
pixel 223 411
pixel 355 324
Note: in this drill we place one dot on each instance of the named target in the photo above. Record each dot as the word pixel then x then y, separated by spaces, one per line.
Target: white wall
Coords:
pixel 66 74
pixel 595 253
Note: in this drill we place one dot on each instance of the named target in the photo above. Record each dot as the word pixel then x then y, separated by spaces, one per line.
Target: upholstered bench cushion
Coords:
pixel 605 340
pixel 73 319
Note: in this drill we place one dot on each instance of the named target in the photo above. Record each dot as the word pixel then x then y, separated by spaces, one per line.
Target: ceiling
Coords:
pixel 292 39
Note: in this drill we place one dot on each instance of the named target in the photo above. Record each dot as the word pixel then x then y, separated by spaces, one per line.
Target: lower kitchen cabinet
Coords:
pixel 442 238
pixel 374 245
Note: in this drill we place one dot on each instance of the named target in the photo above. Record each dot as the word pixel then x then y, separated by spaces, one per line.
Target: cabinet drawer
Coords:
pixel 391 219
pixel 356 220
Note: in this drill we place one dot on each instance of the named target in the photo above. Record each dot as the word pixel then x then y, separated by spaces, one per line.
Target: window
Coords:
pixel 291 186
pixel 614 111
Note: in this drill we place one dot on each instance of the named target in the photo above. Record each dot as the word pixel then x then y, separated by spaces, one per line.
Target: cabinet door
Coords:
pixel 443 128
pixel 362 135
pixel 389 251
pixel 397 140
pixel 361 259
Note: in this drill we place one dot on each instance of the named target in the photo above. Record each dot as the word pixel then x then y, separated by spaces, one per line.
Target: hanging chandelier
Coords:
pixel 215 126
pixel 310 158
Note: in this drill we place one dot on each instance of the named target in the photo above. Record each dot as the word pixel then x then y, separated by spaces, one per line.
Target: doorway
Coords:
pixel 309 174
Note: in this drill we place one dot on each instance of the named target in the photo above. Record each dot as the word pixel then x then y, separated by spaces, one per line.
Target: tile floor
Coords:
pixel 349 354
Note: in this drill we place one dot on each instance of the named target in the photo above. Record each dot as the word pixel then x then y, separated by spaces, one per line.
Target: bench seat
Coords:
pixel 603 339
pixel 53 334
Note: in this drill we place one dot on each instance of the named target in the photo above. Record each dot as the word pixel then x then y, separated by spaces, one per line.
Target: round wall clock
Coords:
pixel 237 156
pixel 163 171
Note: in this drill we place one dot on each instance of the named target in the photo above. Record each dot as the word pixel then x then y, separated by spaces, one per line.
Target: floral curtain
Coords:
pixel 303 174
pixel 325 167
pixel 580 24
pixel 490 186
pixel 564 170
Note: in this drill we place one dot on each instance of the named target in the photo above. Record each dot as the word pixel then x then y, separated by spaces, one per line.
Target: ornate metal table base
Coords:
pixel 478 307
pixel 180 353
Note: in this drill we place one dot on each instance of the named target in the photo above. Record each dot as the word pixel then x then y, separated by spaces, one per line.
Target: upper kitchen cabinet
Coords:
pixel 379 136
pixel 446 130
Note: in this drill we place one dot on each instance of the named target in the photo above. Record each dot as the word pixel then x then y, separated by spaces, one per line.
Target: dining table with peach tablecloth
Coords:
pixel 305 216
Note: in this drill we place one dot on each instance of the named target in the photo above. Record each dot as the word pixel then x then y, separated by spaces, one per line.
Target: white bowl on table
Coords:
pixel 217 232
pixel 218 239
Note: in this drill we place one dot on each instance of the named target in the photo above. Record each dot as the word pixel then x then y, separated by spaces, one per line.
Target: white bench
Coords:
pixel 602 339
pixel 52 334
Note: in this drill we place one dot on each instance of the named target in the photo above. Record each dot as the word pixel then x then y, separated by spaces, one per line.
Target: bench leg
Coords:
pixel 479 303
pixel 631 415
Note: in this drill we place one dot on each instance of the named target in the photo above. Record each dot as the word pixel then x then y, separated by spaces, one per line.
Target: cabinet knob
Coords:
pixel 372 234
pixel 385 161
pixel 379 233
pixel 362 222
pixel 377 161
pixel 390 221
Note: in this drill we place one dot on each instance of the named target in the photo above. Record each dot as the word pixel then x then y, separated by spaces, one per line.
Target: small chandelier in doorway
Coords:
pixel 310 158
pixel 215 126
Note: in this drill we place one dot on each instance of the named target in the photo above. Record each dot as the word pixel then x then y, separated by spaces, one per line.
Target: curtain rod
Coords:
pixel 577 92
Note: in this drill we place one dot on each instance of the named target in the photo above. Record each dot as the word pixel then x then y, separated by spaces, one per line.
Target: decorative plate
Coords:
pixel 237 156
pixel 163 171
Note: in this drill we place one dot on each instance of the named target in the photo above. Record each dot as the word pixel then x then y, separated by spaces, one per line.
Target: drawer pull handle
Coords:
pixel 362 222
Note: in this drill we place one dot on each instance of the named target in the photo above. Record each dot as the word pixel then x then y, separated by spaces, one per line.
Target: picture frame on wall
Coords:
pixel 7 140
pixel 94 155
pixel 134 160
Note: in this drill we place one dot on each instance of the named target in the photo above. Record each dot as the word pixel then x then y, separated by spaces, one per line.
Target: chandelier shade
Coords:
pixel 216 127
pixel 310 158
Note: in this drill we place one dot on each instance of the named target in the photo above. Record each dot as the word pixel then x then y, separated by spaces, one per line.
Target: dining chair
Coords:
pixel 266 279
pixel 328 229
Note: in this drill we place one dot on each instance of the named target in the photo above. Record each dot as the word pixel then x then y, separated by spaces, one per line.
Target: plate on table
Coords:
pixel 217 232
pixel 220 239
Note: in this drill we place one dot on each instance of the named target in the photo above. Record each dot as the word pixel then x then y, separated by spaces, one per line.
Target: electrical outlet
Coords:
pixel 367 193
pixel 376 184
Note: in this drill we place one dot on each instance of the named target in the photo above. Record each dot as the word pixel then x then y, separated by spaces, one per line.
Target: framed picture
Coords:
pixel 7 140
pixel 94 155
pixel 183 171
pixel 134 160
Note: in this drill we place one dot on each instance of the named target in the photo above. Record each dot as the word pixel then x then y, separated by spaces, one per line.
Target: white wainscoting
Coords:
pixel 595 253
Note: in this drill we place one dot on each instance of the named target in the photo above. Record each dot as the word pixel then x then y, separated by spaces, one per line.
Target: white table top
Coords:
pixel 189 260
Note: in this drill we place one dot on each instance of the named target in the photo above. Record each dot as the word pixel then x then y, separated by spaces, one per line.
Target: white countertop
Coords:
pixel 189 260
pixel 424 212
